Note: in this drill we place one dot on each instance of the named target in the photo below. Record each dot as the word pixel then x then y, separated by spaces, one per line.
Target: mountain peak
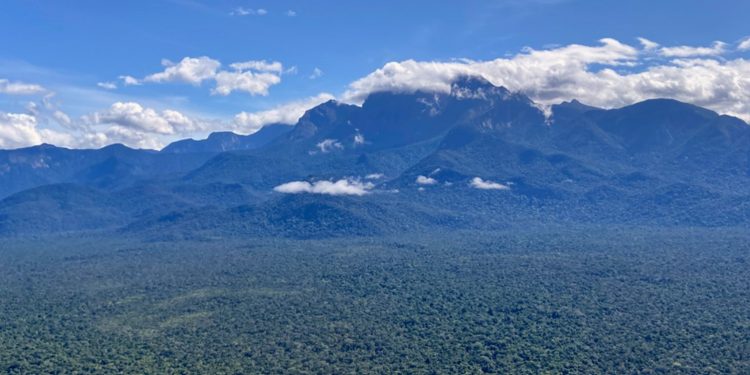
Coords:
pixel 229 141
pixel 573 105
pixel 475 87
pixel 222 135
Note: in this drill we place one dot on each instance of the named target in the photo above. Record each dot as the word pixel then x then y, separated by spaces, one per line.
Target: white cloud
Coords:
pixel 192 70
pixel 648 44
pixel 62 118
pixel 293 70
pixel 254 77
pixel 291 13
pixel 128 123
pixel 374 176
pixel 327 145
pixel 127 136
pixel 716 49
pixel 316 73
pixel 133 116
pixel 107 85
pixel 424 180
pixel 289 113
pixel 340 187
pixel 252 83
pixel 359 139
pixel 20 88
pixel 744 44
pixel 608 75
pixel 478 183
pixel 130 80
pixel 259 65
pixel 240 11
pixel 532 69
pixel 20 130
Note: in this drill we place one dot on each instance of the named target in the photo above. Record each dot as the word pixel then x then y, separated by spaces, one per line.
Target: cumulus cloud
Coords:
pixel 129 123
pixel 531 70
pixel 744 44
pixel 340 187
pixel 128 136
pixel 137 126
pixel 424 180
pixel 254 77
pixel 132 115
pixel 20 130
pixel 250 82
pixel 607 74
pixel 610 74
pixel 716 49
pixel 291 13
pixel 192 70
pixel 20 88
pixel 289 113
pixel 479 183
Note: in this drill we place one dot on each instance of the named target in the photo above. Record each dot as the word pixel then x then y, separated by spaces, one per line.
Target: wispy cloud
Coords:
pixel 240 11
pixel 716 49
pixel 107 85
pixel 327 145
pixel 648 44
pixel 316 73
pixel 20 88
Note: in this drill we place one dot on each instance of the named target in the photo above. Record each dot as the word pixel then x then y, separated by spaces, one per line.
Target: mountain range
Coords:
pixel 478 156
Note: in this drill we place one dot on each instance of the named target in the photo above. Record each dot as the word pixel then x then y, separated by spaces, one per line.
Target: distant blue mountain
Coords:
pixel 228 141
pixel 118 166
pixel 112 166
pixel 478 156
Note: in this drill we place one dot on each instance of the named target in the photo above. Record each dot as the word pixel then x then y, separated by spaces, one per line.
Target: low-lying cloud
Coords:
pixel 481 184
pixel 424 180
pixel 340 187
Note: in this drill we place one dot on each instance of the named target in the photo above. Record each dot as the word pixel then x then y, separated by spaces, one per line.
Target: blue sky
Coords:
pixel 72 49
